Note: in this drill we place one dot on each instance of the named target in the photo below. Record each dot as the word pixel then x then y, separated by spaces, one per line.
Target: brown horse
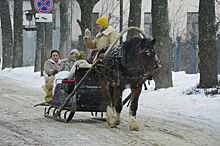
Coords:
pixel 126 66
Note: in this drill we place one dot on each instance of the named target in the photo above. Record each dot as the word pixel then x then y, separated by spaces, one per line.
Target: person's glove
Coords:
pixel 54 72
pixel 87 33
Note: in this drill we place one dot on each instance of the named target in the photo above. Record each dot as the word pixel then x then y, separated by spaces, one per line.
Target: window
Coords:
pixel 192 22
pixel 148 23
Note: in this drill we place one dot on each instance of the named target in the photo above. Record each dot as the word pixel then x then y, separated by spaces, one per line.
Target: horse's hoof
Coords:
pixel 117 122
pixel 133 125
pixel 111 116
pixel 112 125
pixel 110 121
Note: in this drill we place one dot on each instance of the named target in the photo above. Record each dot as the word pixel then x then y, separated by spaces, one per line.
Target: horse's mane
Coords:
pixel 131 44
pixel 131 41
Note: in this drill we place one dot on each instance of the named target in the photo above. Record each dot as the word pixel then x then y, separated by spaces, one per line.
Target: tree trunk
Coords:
pixel 134 17
pixel 7 41
pixel 49 39
pixel 18 34
pixel 39 41
pixel 160 30
pixel 207 44
pixel 37 66
pixel 86 16
pixel 64 28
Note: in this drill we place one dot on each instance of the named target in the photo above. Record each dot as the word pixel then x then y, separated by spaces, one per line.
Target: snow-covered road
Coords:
pixel 22 124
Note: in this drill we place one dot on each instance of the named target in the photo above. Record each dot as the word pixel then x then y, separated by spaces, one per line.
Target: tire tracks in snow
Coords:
pixel 20 135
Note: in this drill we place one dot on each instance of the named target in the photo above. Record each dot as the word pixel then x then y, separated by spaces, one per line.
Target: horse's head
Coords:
pixel 147 56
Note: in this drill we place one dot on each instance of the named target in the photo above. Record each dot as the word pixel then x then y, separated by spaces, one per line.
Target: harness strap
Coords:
pixel 141 60
pixel 145 86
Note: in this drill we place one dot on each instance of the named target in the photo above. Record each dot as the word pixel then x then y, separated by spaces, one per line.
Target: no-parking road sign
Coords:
pixel 43 6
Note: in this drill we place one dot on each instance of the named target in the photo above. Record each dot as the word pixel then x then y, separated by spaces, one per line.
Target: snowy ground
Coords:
pixel 165 116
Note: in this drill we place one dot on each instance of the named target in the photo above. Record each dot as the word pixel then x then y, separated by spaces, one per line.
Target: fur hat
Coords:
pixel 103 21
pixel 74 51
pixel 80 55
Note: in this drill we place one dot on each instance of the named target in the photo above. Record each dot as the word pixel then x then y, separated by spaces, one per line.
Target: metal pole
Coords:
pixel 43 25
pixel 121 19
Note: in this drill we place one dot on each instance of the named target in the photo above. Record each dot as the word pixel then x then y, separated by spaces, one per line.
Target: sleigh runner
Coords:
pixel 96 91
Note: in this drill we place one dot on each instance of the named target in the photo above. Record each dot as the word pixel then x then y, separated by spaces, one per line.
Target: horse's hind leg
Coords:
pixel 135 93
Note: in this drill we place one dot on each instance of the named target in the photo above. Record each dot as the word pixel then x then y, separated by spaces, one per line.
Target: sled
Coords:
pixel 88 98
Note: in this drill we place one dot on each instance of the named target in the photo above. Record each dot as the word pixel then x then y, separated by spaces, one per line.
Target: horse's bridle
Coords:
pixel 142 63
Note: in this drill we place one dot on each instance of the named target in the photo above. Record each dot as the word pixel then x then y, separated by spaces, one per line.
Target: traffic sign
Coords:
pixel 43 17
pixel 43 6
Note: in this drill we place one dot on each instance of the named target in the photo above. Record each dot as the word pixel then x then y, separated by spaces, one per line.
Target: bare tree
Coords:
pixel 177 15
pixel 18 34
pixel 49 35
pixel 207 44
pixel 108 9
pixel 160 30
pixel 86 15
pixel 64 28
pixel 134 17
pixel 7 40
pixel 39 42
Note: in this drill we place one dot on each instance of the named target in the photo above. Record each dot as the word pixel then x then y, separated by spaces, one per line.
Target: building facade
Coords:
pixel 183 15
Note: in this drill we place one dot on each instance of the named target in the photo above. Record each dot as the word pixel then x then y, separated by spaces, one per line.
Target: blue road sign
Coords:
pixel 43 6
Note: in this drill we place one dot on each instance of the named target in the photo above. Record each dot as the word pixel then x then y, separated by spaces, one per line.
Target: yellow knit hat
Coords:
pixel 103 21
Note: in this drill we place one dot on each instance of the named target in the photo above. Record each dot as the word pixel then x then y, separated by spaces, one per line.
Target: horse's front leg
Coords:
pixel 118 103
pixel 110 111
pixel 135 93
pixel 113 112
pixel 105 89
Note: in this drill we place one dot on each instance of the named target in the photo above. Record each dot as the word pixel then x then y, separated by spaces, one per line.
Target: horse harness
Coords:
pixel 115 60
